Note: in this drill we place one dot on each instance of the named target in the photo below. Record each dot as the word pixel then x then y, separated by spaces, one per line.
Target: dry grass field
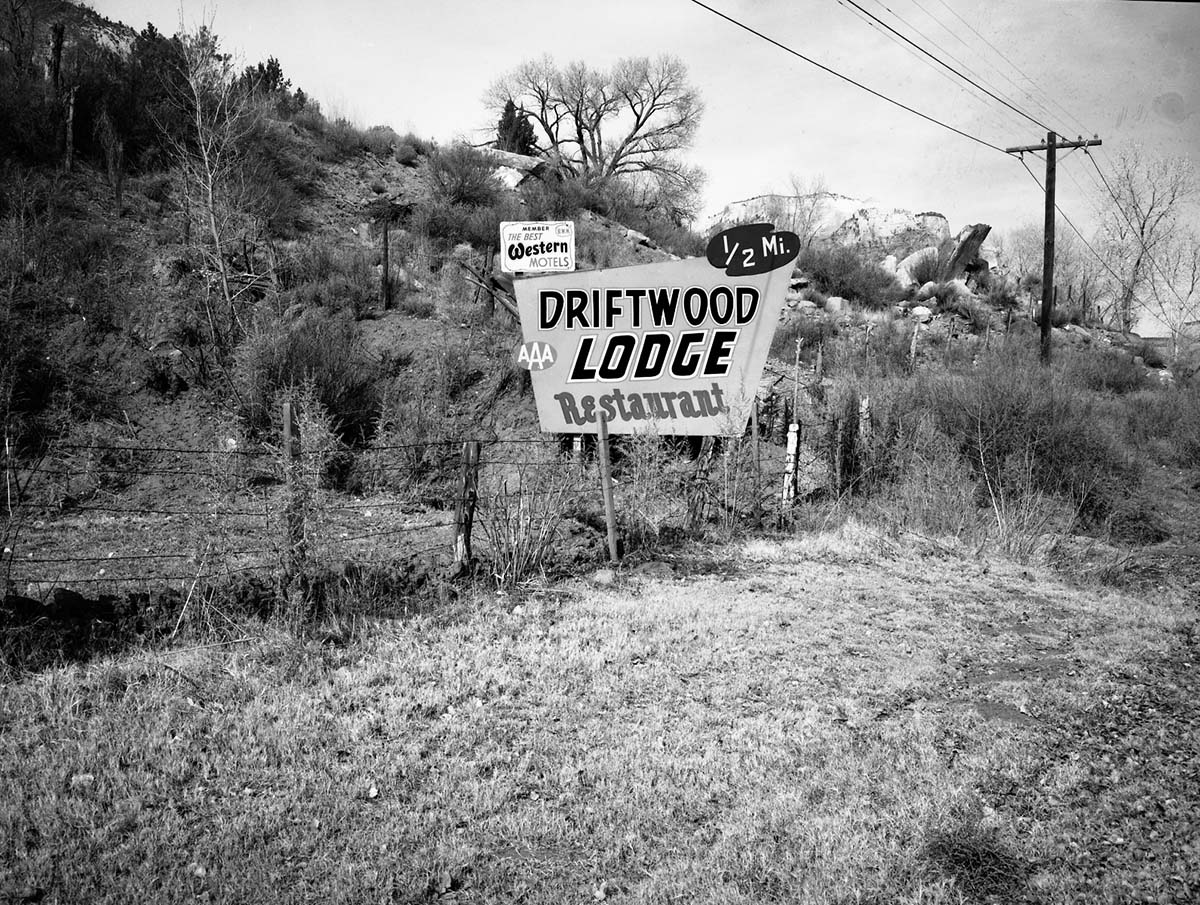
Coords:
pixel 834 719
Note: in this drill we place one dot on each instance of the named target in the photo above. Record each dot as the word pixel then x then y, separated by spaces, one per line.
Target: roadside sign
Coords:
pixel 670 348
pixel 543 246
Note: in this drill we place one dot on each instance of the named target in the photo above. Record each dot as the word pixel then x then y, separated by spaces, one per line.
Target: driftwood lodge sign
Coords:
pixel 671 348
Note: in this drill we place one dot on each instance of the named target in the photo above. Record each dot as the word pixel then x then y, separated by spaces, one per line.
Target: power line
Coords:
pixel 1013 65
pixel 844 78
pixel 960 74
pixel 995 121
pixel 930 40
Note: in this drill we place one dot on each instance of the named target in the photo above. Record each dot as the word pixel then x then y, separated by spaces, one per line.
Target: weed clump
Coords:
pixel 316 348
pixel 842 272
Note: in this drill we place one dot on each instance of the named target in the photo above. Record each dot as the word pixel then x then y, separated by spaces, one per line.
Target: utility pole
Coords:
pixel 1051 145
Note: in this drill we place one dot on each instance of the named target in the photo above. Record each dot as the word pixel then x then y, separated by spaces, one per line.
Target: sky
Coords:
pixel 1128 72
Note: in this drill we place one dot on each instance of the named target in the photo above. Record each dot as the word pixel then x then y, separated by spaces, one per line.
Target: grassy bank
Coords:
pixel 836 719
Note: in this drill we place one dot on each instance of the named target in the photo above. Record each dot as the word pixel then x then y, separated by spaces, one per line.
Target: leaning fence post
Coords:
pixel 294 512
pixel 610 509
pixel 464 512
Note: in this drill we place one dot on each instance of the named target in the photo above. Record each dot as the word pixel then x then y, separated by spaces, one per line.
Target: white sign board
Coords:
pixel 544 246
pixel 670 348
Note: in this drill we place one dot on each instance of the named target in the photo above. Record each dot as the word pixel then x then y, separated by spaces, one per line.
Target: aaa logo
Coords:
pixel 536 356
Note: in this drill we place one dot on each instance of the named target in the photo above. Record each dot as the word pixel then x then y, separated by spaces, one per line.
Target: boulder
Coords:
pixel 835 304
pixel 959 289
pixel 1083 334
pixel 889 265
pixel 1165 377
pixel 509 177
pixel 927 291
pixel 966 251
pixel 922 314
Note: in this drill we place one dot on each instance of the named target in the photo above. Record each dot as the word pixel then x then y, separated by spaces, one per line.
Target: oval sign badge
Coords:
pixel 752 248
pixel 536 356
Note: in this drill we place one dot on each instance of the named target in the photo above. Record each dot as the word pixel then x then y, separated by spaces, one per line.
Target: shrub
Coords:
pixel 927 268
pixel 977 315
pixel 1010 422
pixel 522 513
pixel 1002 294
pixel 560 199
pixel 323 274
pixel 651 494
pixel 842 271
pixel 380 140
pixel 319 349
pixel 410 149
pixel 454 222
pixel 1106 371
pixel 460 175
pixel 1151 353
pixel 882 352
pixel 1166 422
pixel 812 331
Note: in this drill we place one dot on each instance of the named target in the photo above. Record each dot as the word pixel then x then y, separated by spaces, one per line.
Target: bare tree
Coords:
pixel 1176 293
pixel 216 180
pixel 19 22
pixel 1142 220
pixel 801 211
pixel 632 121
pixel 810 207
pixel 1076 275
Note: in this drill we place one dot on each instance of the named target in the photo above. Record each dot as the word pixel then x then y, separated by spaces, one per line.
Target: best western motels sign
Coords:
pixel 543 246
pixel 671 348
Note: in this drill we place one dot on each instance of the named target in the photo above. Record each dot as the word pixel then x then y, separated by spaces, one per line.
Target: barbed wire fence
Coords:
pixel 114 517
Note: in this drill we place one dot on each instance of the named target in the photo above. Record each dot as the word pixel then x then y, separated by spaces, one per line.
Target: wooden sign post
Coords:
pixel 610 512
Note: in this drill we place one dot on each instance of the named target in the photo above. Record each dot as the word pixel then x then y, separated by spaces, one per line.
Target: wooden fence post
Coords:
pixel 610 509
pixel 839 423
pixel 294 511
pixel 385 282
pixel 864 420
pixel 757 460
pixel 696 505
pixel 464 512
pixel 793 458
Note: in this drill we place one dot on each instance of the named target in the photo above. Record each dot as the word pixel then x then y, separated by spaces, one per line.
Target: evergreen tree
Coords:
pixel 514 131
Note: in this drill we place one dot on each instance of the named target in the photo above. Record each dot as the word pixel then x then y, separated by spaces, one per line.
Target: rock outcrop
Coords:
pixel 877 230
pixel 965 257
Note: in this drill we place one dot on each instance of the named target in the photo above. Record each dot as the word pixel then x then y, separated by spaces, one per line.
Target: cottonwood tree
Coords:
pixel 1142 225
pixel 630 122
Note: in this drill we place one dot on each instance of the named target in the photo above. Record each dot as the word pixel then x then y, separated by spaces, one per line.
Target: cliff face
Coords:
pixel 827 216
